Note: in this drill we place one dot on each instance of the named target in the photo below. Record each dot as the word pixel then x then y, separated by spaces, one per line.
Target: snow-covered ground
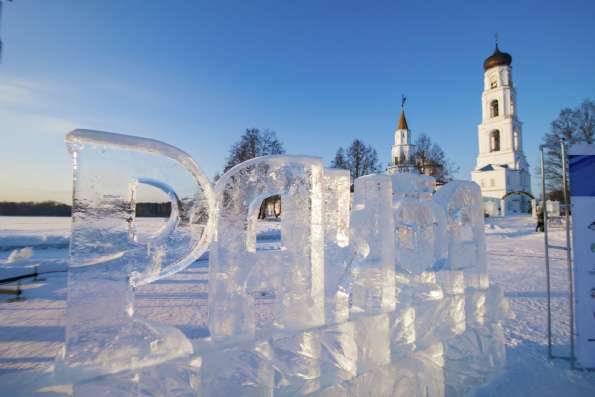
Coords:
pixel 32 330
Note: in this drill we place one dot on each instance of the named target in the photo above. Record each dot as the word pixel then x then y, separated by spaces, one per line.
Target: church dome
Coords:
pixel 498 58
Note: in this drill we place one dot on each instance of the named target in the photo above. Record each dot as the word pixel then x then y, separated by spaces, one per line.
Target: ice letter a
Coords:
pixel 292 274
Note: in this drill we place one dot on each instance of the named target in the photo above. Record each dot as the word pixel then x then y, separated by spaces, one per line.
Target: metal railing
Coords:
pixel 567 248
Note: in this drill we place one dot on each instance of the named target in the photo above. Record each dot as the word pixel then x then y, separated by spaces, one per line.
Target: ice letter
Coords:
pixel 371 232
pixel 293 274
pixel 337 253
pixel 109 256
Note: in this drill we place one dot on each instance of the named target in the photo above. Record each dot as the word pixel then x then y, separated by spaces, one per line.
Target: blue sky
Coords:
pixel 320 73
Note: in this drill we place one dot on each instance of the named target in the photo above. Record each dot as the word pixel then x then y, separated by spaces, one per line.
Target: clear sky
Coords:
pixel 320 73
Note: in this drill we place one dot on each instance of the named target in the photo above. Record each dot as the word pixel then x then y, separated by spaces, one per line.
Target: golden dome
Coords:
pixel 498 58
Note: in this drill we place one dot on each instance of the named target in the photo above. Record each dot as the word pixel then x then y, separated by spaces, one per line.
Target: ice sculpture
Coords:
pixel 466 241
pixel 415 236
pixel 388 298
pixel 109 258
pixel 420 225
pixel 295 272
pixel 338 254
pixel 244 369
pixel 373 264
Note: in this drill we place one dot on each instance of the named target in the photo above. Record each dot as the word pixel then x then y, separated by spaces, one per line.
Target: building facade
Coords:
pixel 501 169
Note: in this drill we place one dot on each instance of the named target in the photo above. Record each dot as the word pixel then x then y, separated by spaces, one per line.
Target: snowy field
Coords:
pixel 32 329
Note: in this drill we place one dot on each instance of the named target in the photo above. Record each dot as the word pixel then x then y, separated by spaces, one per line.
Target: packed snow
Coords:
pixel 32 328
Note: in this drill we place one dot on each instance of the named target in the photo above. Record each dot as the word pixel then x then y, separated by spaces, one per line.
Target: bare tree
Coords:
pixel 430 159
pixel 340 161
pixel 253 143
pixel 360 159
pixel 573 126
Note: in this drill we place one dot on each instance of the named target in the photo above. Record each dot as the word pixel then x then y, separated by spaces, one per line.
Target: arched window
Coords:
pixel 516 139
pixel 494 108
pixel 494 141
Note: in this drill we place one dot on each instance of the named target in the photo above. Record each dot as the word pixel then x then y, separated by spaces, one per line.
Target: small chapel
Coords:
pixel 501 168
pixel 402 150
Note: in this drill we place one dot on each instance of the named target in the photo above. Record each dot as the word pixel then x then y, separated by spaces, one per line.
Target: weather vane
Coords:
pixel 496 39
pixel 403 100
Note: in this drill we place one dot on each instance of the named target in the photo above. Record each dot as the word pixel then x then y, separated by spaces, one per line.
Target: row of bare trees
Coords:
pixel 359 158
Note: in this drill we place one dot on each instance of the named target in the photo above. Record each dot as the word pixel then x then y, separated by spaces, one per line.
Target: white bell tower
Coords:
pixel 501 166
pixel 402 149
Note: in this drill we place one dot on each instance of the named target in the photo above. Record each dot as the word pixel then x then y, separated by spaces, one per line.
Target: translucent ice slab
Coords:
pixel 109 257
pixel 337 252
pixel 371 236
pixel 466 242
pixel 294 274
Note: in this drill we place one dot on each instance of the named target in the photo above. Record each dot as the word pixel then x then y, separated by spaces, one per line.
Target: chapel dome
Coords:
pixel 498 58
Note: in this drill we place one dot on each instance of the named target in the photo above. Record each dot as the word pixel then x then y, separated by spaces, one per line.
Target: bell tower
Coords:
pixel 501 166
pixel 402 149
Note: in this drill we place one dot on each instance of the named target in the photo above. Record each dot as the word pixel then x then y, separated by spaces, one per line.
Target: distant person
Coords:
pixel 540 225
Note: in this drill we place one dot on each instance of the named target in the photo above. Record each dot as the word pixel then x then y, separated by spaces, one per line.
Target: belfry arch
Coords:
pixel 524 206
pixel 520 192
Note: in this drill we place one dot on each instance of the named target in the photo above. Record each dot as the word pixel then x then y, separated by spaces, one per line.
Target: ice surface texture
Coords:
pixel 371 230
pixel 109 257
pixel 383 295
pixel 466 242
pixel 293 274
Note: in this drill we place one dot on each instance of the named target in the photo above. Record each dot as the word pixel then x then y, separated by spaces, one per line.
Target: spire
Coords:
pixel 402 120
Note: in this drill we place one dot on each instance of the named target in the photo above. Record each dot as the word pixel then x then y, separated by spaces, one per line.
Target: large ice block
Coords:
pixel 430 371
pixel 175 378
pixel 472 357
pixel 373 344
pixel 371 230
pixel 293 274
pixel 419 236
pixel 337 252
pixel 411 185
pixel 245 369
pixel 466 242
pixel 402 332
pixel 475 307
pixel 109 256
pixel 497 306
pixel 338 353
pixel 296 360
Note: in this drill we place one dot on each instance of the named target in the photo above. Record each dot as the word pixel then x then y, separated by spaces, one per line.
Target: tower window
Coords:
pixel 516 139
pixel 493 84
pixel 494 108
pixel 494 141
